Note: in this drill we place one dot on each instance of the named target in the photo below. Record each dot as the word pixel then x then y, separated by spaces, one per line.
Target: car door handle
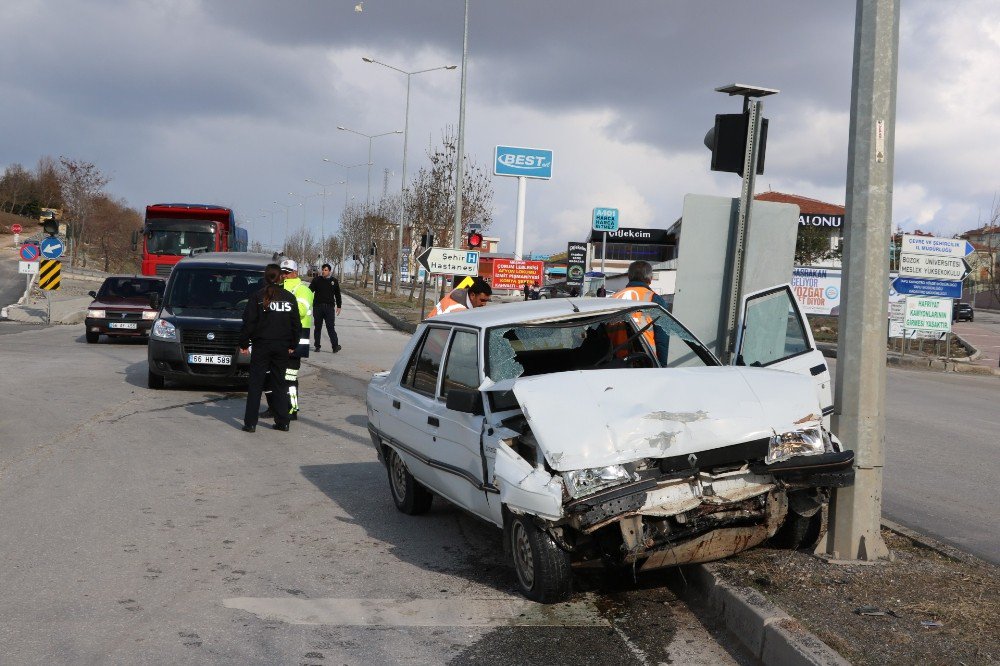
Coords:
pixel 395 404
pixel 433 420
pixel 817 369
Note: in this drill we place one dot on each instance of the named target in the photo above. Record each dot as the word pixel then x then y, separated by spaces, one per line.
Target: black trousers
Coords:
pixel 291 390
pixel 268 362
pixel 325 312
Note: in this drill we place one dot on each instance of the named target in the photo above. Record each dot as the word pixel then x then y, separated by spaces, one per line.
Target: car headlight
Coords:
pixel 804 442
pixel 585 481
pixel 97 314
pixel 164 330
pixel 149 314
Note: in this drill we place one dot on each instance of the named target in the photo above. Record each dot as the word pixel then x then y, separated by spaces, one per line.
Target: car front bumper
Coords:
pixel 169 360
pixel 113 327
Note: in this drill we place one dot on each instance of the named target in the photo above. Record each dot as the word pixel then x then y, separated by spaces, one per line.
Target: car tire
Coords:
pixel 408 495
pixel 798 532
pixel 92 337
pixel 154 381
pixel 541 567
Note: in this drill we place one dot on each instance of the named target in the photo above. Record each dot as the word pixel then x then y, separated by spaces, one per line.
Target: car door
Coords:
pixel 456 436
pixel 773 333
pixel 409 417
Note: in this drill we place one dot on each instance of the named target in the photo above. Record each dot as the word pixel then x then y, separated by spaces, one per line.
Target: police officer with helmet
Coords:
pixel 270 333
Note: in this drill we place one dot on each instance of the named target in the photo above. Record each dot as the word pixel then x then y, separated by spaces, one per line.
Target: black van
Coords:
pixel 195 336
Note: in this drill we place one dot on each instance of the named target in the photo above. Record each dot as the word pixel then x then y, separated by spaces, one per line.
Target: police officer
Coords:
pixel 271 325
pixel 293 284
pixel 474 295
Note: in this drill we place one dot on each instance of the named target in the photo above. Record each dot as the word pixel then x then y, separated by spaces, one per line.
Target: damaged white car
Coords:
pixel 603 431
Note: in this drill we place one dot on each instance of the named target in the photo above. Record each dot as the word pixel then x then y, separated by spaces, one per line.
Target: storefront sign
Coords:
pixel 633 236
pixel 830 221
pixel 576 264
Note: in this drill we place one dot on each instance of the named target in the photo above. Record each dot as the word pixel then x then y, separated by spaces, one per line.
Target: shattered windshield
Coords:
pixel 645 337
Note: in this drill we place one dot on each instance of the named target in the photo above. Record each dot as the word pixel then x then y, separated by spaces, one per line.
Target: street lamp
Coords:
pixel 347 190
pixel 368 196
pixel 270 237
pixel 459 170
pixel 322 223
pixel 287 206
pixel 406 136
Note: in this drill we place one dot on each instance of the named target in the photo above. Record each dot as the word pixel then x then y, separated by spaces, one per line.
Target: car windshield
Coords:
pixel 225 289
pixel 130 288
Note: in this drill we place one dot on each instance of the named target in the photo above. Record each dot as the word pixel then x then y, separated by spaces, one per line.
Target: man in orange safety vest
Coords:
pixel 640 276
pixel 465 297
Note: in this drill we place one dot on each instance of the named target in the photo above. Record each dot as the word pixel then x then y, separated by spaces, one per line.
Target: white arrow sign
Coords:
pixel 448 261
pixel 940 247
pixel 933 267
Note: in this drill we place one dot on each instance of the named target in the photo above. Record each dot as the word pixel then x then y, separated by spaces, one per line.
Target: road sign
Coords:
pixel 27 267
pixel 52 248
pixel 605 219
pixel 909 286
pixel 941 247
pixel 933 267
pixel 448 261
pixel 49 274
pixel 928 314
pixel 29 252
pixel 15 228
pixel 527 162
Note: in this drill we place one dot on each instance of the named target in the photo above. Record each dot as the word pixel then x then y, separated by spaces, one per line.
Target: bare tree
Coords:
pixel 303 247
pixel 81 183
pixel 109 234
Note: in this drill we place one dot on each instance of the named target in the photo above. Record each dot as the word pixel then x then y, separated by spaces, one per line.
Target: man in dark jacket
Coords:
pixel 326 305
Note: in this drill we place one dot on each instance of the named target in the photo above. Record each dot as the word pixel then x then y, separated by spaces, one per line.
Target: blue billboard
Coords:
pixel 527 162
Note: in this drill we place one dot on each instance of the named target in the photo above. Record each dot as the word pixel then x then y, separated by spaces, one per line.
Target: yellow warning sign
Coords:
pixel 49 273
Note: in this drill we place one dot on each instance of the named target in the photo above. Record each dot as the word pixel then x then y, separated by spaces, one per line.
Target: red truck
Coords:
pixel 173 231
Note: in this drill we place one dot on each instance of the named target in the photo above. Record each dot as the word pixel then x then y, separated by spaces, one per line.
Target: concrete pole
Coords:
pixel 459 167
pixel 859 414
pixel 522 187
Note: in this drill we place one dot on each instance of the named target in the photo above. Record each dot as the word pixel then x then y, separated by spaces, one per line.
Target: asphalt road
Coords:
pixel 142 526
pixel 11 282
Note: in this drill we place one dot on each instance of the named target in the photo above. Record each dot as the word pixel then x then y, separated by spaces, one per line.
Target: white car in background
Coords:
pixel 556 421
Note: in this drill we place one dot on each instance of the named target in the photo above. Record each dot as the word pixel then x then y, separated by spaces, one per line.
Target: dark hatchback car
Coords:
pixel 195 336
pixel 121 307
pixel 962 312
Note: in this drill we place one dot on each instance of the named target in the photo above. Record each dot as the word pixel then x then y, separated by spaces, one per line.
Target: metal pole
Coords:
pixel 754 107
pixel 402 193
pixel 859 406
pixel 457 241
pixel 423 297
pixel 522 188
pixel 604 255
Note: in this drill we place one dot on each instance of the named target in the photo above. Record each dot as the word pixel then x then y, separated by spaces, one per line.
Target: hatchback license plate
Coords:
pixel 123 324
pixel 210 359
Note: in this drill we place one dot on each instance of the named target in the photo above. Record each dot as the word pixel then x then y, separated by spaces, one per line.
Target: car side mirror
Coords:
pixel 154 300
pixel 92 294
pixel 464 400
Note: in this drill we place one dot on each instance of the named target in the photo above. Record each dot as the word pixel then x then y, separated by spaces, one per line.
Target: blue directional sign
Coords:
pixel 527 162
pixel 605 219
pixel 29 252
pixel 922 287
pixel 52 248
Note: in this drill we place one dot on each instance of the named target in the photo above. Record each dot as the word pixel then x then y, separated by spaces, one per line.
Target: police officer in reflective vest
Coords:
pixel 471 293
pixel 270 333
pixel 304 299
pixel 640 276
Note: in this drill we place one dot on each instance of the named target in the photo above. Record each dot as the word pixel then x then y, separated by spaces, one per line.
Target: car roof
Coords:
pixel 227 260
pixel 520 312
pixel 125 276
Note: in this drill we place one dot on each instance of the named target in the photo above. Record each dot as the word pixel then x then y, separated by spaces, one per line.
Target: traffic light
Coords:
pixel 372 251
pixel 475 240
pixel 50 226
pixel 728 142
pixel 426 240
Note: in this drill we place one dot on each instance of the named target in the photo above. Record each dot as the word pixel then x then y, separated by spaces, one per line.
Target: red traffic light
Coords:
pixel 475 239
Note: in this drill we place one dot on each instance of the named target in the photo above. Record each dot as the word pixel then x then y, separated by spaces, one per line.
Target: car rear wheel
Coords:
pixel 542 567
pixel 92 337
pixel 154 381
pixel 409 496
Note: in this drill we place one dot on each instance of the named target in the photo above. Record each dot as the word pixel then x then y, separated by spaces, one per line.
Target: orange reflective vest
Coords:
pixel 447 304
pixel 619 334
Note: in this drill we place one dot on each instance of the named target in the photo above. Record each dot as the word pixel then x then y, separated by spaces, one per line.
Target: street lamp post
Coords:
pixel 406 136
pixel 286 206
pixel 347 190
pixel 322 223
pixel 270 236
pixel 461 136
pixel 368 196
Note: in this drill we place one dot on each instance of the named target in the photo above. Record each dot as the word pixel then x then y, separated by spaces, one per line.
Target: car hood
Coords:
pixel 121 303
pixel 594 418
pixel 223 320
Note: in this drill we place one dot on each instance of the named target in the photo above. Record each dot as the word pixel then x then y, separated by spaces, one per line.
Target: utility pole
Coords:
pixel 859 406
pixel 460 166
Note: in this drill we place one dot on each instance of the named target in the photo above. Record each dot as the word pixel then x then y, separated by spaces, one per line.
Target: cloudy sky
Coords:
pixel 238 102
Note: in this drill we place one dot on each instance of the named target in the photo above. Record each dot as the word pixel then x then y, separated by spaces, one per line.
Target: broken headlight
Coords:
pixel 804 442
pixel 586 481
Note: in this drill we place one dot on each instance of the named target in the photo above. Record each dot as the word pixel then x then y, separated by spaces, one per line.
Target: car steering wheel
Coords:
pixel 639 360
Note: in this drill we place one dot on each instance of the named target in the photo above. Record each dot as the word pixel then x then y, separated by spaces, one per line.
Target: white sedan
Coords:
pixel 603 430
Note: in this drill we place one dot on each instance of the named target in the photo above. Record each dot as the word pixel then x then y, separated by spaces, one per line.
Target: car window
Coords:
pixel 424 366
pixel 462 368
pixel 130 288
pixel 773 330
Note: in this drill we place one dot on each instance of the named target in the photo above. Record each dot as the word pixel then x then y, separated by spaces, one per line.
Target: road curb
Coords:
pixel 384 315
pixel 951 552
pixel 769 633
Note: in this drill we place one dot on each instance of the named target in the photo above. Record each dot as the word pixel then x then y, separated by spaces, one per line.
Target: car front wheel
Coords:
pixel 409 496
pixel 154 381
pixel 542 567
pixel 92 337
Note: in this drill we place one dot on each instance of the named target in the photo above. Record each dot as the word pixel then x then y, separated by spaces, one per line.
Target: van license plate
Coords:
pixel 123 324
pixel 210 359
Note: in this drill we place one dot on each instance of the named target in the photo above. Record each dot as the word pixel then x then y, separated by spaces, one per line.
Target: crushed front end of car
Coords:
pixel 656 468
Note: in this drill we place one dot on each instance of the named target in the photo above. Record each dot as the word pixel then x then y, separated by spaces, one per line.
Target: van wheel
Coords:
pixel 542 567
pixel 409 496
pixel 92 337
pixel 154 381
